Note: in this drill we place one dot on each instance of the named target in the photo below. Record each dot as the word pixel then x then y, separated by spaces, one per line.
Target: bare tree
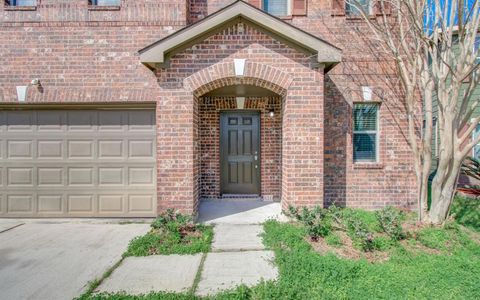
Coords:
pixel 433 45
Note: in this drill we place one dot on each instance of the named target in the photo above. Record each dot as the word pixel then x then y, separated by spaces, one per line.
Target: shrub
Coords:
pixel 172 221
pixel 360 233
pixel 317 221
pixel 390 221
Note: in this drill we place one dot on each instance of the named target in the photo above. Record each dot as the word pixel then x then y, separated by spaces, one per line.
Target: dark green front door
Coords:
pixel 240 152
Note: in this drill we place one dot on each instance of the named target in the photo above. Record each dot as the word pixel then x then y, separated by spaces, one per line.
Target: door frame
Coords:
pixel 221 151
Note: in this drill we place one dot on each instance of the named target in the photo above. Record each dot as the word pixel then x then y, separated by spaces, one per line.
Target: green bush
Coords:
pixel 390 221
pixel 172 221
pixel 317 221
pixel 360 234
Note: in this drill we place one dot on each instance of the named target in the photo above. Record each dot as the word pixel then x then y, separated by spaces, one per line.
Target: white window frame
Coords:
pixel 95 3
pixel 289 8
pixel 348 12
pixel 13 3
pixel 376 132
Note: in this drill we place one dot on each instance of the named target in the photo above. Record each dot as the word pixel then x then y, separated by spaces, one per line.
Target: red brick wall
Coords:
pixel 83 55
pixel 271 143
pixel 302 129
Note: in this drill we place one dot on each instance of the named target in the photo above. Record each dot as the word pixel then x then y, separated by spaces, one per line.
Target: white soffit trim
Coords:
pixel 157 52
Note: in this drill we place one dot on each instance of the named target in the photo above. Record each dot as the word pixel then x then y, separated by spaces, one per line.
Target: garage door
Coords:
pixel 77 163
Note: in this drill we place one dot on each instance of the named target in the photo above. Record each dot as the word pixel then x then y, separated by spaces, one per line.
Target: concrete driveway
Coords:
pixel 57 259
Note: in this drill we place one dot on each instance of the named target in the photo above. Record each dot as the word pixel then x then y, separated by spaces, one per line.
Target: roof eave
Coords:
pixel 156 55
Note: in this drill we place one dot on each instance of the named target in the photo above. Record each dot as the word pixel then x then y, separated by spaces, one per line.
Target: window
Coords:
pixel 279 8
pixel 105 2
pixel 352 7
pixel 21 2
pixel 476 148
pixel 365 132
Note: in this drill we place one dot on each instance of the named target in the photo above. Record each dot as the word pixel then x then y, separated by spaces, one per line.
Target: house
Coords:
pixel 123 108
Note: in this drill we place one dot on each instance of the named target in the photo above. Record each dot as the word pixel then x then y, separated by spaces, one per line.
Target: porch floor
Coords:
pixel 239 211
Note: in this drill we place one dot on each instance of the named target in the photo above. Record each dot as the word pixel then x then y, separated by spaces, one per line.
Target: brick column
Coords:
pixel 303 131
pixel 176 151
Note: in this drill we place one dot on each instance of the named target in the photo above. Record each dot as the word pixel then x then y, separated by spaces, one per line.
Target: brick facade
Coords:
pixel 85 55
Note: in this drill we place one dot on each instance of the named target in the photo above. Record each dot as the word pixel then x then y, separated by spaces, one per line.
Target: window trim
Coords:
pixel 376 132
pixel 7 6
pixel 289 14
pixel 349 15
pixel 93 6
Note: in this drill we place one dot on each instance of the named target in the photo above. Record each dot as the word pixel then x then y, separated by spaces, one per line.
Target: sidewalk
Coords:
pixel 238 256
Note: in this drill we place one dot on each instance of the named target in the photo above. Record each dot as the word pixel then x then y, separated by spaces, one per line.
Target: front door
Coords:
pixel 240 152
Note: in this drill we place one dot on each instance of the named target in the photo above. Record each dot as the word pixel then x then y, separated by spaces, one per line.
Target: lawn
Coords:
pixel 424 263
pixel 172 233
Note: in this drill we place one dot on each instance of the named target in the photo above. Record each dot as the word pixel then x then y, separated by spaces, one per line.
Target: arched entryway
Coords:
pixel 239 128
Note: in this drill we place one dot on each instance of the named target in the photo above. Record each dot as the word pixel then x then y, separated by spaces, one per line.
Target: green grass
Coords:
pixel 168 242
pixel 333 239
pixel 447 267
pixel 304 274
pixel 466 211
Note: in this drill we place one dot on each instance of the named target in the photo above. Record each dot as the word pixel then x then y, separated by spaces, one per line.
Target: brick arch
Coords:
pixel 223 74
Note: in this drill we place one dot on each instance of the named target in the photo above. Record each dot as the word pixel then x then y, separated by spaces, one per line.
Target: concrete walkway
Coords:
pixel 49 260
pixel 238 256
pixel 239 211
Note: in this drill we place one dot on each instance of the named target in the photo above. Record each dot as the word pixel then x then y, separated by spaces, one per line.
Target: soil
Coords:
pixel 347 250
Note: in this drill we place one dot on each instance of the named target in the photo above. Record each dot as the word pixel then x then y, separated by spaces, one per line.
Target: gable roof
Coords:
pixel 157 54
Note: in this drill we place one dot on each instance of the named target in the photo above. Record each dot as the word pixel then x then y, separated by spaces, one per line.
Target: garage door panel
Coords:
pixel 20 149
pixel 140 203
pixel 80 176
pixel 20 203
pixel 111 204
pixel 110 176
pixel 82 163
pixel 110 148
pixel 141 176
pixel 141 121
pixel 50 149
pixel 110 121
pixel 20 121
pixel 141 148
pixel 82 149
pixel 80 204
pixel 50 176
pixel 50 121
pixel 19 176
pixel 81 121
pixel 51 204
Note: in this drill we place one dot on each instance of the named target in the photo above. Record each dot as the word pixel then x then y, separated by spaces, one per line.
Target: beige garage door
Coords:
pixel 77 163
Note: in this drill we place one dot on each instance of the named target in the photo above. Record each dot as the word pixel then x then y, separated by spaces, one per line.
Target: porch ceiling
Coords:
pixel 156 55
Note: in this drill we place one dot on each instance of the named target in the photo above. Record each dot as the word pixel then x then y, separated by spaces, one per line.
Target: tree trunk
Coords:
pixel 442 196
